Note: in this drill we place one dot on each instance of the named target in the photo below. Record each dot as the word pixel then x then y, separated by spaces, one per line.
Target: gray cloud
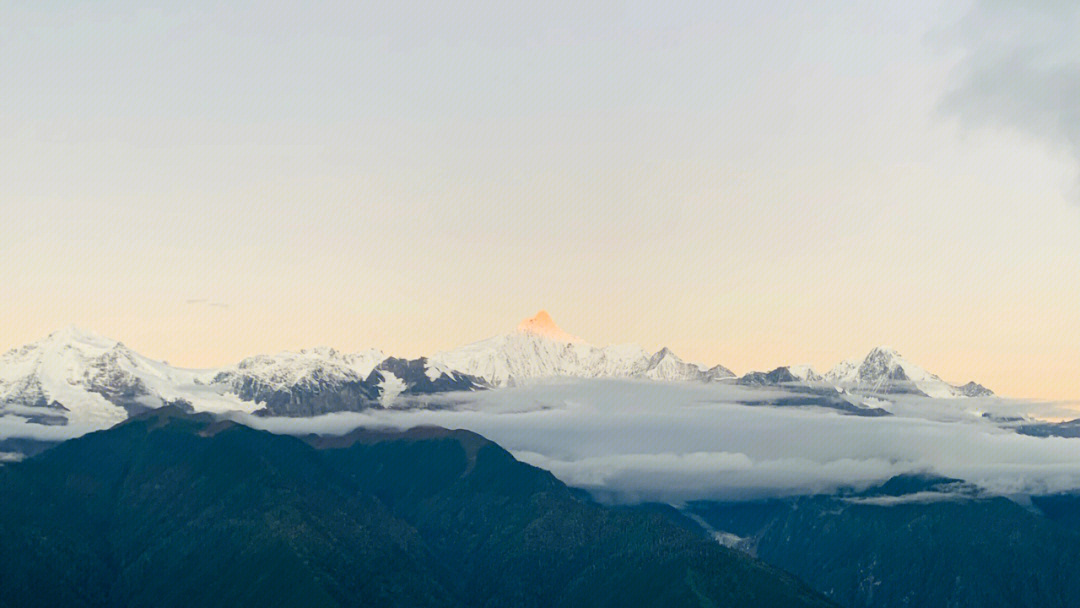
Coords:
pixel 1021 69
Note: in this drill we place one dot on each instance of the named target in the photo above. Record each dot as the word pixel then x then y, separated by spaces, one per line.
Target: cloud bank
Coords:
pixel 627 441
pixel 1021 69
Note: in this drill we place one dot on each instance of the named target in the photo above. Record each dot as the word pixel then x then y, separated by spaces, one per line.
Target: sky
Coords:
pixel 749 183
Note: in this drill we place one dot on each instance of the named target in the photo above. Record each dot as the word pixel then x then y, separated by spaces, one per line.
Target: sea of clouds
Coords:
pixel 627 441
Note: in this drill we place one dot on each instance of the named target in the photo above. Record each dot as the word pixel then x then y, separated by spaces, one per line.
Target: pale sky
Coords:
pixel 752 183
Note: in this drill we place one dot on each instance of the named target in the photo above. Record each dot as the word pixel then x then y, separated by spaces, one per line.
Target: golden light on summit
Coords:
pixel 542 324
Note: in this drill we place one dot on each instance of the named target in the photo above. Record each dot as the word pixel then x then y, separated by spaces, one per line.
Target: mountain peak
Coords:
pixel 664 353
pixel 974 389
pixel 543 325
pixel 883 351
pixel 884 370
pixel 72 337
pixel 72 333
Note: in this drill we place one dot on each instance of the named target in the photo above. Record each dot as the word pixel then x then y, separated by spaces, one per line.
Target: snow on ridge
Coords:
pixel 77 376
pixel 540 349
pixel 884 370
pixel 287 369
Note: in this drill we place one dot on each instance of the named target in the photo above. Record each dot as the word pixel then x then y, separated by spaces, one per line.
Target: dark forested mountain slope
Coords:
pixel 169 509
pixel 915 541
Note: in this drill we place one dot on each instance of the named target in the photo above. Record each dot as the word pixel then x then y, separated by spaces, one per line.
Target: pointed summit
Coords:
pixel 543 325
pixel 661 355
pixel 883 351
pixel 666 365
pixel 885 371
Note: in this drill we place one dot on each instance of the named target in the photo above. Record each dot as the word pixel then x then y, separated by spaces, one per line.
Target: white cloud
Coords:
pixel 17 426
pixel 627 441
pixel 907 499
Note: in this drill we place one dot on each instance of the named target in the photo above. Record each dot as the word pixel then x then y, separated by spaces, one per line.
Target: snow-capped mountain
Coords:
pixel 75 376
pixel 666 365
pixel 543 325
pixel 321 380
pixel 538 348
pixel 305 367
pixel 304 383
pixel 395 377
pixel 884 371
pixel 78 376
pixel 804 373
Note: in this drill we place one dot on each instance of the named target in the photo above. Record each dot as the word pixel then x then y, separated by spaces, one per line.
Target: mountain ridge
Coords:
pixel 884 370
pixel 539 349
pixel 76 376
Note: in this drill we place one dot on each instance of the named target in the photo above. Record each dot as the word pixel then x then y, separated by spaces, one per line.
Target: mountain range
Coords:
pixel 75 376
pixel 538 348
pixel 175 504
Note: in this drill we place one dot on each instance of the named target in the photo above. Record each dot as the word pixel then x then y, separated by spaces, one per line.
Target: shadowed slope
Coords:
pixel 170 509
